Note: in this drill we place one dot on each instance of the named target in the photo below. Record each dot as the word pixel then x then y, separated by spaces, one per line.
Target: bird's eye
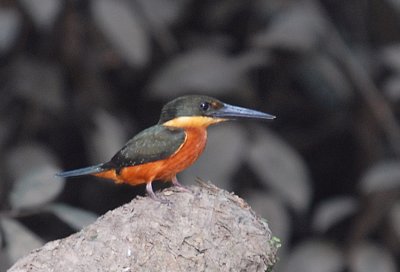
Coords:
pixel 204 106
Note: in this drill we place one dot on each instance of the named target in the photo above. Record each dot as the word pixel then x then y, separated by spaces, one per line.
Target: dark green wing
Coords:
pixel 152 144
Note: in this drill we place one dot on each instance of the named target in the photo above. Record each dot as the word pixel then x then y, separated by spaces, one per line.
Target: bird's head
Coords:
pixel 202 111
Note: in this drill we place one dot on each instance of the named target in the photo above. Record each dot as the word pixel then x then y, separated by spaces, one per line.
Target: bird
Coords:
pixel 161 151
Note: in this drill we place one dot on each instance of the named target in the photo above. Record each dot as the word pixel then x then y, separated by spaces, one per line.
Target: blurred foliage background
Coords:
pixel 79 78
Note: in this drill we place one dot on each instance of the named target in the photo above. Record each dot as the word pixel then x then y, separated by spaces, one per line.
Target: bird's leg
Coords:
pixel 150 192
pixel 176 183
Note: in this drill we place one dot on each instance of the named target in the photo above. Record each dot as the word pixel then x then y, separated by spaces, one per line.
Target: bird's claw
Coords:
pixel 178 185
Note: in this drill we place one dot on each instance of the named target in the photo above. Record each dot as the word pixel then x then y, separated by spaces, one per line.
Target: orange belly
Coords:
pixel 188 153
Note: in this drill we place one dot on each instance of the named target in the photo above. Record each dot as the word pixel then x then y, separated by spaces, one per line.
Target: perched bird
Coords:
pixel 161 151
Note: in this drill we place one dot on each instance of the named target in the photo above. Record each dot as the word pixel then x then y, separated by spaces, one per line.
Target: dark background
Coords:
pixel 79 78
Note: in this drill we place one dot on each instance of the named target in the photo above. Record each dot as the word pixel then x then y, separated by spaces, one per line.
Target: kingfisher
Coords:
pixel 172 145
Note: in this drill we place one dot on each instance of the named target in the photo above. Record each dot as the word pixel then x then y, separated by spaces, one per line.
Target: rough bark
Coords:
pixel 207 229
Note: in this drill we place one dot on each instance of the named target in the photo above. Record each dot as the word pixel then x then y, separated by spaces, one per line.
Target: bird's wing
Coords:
pixel 152 144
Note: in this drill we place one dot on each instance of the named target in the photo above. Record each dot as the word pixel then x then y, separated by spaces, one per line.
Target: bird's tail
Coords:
pixel 83 171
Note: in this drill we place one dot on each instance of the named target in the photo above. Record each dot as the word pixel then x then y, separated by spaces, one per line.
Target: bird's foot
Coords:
pixel 153 196
pixel 161 200
pixel 177 184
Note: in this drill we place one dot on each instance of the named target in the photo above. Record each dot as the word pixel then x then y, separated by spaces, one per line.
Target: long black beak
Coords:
pixel 232 112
